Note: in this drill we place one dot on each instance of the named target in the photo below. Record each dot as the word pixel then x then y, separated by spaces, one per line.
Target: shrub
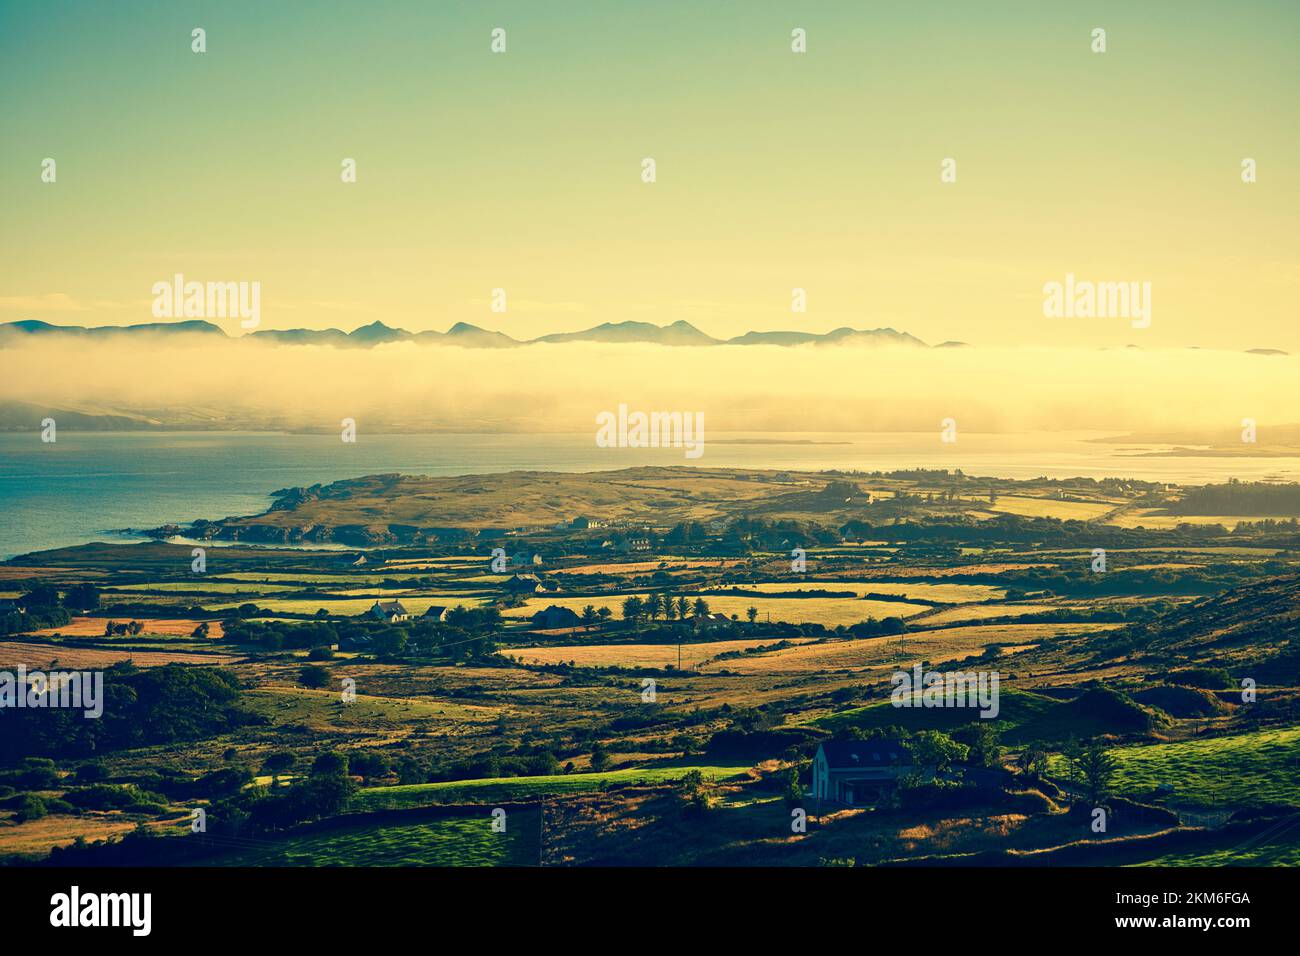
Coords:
pixel 314 677
pixel 30 807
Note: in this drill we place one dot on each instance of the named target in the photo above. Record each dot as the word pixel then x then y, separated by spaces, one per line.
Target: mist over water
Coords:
pixel 1020 413
pixel 561 388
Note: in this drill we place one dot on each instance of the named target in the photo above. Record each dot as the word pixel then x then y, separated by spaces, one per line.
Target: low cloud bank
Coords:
pixel 562 388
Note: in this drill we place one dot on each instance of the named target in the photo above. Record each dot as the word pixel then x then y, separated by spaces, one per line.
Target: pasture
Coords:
pixel 447 841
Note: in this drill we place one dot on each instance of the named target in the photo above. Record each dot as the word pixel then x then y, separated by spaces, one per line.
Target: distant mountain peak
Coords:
pixel 679 333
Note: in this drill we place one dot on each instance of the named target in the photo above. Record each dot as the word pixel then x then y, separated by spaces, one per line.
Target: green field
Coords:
pixel 1270 854
pixel 490 789
pixel 452 841
pixel 1022 717
pixel 1227 772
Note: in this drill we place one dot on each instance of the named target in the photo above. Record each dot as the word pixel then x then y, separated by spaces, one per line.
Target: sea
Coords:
pixel 86 486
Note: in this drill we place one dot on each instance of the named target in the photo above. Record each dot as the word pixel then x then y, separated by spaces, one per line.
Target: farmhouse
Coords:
pixel 390 611
pixel 858 772
pixel 435 612
pixel 556 616
pixel 525 584
pixel 711 620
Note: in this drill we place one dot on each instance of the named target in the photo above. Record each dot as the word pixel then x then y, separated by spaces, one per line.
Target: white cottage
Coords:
pixel 858 772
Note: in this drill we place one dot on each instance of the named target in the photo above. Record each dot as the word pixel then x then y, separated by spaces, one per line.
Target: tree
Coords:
pixel 700 608
pixel 390 642
pixel 30 807
pixel 599 757
pixel 279 762
pixel 314 676
pixel 1032 761
pixel 589 617
pixel 793 790
pixel 83 597
pixel 670 606
pixel 1092 770
pixel 984 742
pixel 330 764
pixel 935 751
pixel 633 608
pixel 604 613
pixel 752 614
pixel 652 607
pixel 683 608
pixel 40 597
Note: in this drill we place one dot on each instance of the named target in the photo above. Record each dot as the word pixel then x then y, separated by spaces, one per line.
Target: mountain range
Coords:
pixel 679 333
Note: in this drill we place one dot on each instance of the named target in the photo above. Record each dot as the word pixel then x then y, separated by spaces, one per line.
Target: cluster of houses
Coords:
pixel 394 612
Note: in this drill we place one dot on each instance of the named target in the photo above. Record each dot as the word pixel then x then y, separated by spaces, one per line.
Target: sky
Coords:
pixel 775 170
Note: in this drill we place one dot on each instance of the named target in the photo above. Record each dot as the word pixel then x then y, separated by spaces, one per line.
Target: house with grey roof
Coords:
pixel 858 772
pixel 390 611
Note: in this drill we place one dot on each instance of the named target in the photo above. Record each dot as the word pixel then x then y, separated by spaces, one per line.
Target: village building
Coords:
pixel 390 611
pixel 529 584
pixel 435 612
pixel 555 616
pixel 858 772
pixel 711 620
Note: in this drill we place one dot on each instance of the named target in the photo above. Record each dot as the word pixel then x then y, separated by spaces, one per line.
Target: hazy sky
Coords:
pixel 775 170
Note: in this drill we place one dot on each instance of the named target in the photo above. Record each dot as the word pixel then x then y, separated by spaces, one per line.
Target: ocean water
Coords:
pixel 86 485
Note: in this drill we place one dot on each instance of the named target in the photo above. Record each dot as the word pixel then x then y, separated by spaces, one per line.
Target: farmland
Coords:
pixel 308 698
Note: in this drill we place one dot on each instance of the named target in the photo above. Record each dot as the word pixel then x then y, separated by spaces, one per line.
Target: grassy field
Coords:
pixel 1220 772
pixel 827 611
pixel 918 591
pixel 1155 518
pixel 205 587
pixel 1021 717
pixel 1049 508
pixel 937 646
pixel 94 627
pixel 451 841
pixel 323 710
pixel 635 655
pixel 13 653
pixel 982 612
pixel 1284 853
pixel 491 789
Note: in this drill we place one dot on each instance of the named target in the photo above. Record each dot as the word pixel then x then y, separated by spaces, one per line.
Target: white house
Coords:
pixel 390 611
pixel 858 772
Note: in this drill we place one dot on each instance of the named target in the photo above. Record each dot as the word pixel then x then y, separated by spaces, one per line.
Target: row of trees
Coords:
pixel 654 606
pixel 43 607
